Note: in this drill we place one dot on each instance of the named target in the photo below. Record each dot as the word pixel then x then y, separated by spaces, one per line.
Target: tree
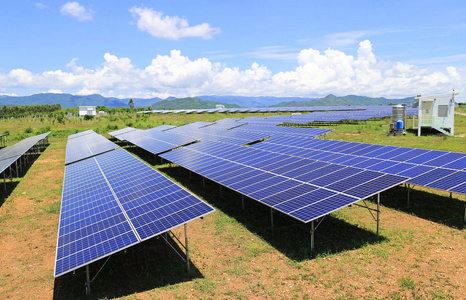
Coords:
pixel 131 103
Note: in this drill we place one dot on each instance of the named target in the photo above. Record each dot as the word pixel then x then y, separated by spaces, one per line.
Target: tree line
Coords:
pixel 22 110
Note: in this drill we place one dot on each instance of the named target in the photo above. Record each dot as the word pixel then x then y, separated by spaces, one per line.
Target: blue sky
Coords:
pixel 249 48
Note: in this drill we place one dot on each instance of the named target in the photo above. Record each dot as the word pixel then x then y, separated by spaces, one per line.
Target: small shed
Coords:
pixel 438 112
pixel 87 110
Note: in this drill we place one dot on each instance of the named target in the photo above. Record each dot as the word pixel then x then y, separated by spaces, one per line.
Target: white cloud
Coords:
pixel 85 91
pixel 75 10
pixel 55 91
pixel 173 28
pixel 40 5
pixel 317 74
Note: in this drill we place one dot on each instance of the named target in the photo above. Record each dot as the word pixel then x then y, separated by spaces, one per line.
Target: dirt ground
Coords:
pixel 235 254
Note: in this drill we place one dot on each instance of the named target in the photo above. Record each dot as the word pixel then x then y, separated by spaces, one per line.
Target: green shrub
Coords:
pixel 88 117
pixel 28 130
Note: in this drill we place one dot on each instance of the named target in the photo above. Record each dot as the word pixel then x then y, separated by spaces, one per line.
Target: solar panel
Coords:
pixel 86 146
pixel 121 131
pixel 113 201
pixel 264 177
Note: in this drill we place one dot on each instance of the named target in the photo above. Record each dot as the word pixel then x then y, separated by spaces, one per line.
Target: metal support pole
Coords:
pixel 220 188
pixel 408 194
pixel 271 217
pixel 4 180
pixel 88 281
pixel 312 235
pixel 189 175
pixel 378 215
pixel 186 246
pixel 242 201
pixel 451 195
pixel 464 219
pixel 203 182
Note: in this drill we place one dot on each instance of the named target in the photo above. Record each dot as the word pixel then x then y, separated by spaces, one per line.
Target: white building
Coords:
pixel 87 110
pixel 219 106
pixel 438 112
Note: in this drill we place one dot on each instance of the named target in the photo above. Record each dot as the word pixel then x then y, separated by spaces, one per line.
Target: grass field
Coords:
pixel 236 254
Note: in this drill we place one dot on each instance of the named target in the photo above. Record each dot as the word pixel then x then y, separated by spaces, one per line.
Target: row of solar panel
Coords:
pixel 86 144
pixel 113 201
pixel 316 190
pixel 10 154
pixel 437 169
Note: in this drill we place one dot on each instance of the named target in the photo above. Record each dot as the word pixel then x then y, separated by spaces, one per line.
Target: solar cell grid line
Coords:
pixel 259 185
pixel 423 158
pixel 323 207
pixel 331 177
pixel 317 170
pixel 409 155
pixel 344 146
pixel 461 188
pixel 398 168
pixel 416 171
pixel 79 134
pixel 237 171
pixel 449 181
pixel 459 164
pixel 443 160
pixel 278 163
pixel 253 158
pixel 356 147
pixel 247 174
pixel 121 131
pixel 369 162
pixel 351 181
pixel 288 194
pixel 382 165
pixel 274 189
pixel 331 145
pixel 428 177
pixel 363 151
pixel 381 151
pixel 376 185
pixel 304 200
pixel 395 152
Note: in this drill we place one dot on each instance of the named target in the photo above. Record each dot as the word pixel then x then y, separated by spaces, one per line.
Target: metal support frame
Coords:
pixel 165 237
pixel 88 276
pixel 185 246
pixel 242 201
pixel 271 217
pixel 313 230
pixel 377 216
pixel 409 188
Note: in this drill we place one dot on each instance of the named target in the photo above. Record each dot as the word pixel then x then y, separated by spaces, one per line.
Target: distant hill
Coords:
pixel 69 101
pixel 246 101
pixel 189 103
pixel 332 100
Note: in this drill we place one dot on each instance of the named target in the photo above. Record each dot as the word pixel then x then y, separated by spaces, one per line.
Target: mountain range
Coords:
pixel 70 101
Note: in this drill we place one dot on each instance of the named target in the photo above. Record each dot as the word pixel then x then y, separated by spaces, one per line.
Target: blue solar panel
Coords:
pixel 86 146
pixel 430 176
pixel 113 201
pixel 449 181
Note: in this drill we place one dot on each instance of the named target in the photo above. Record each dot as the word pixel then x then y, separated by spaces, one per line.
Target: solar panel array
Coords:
pixel 304 189
pixel 159 141
pixel 121 131
pixel 113 201
pixel 87 145
pixel 437 169
pixel 317 113
pixel 10 154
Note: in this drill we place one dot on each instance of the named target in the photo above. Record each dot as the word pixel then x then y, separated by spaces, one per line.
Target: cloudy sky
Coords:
pixel 249 48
